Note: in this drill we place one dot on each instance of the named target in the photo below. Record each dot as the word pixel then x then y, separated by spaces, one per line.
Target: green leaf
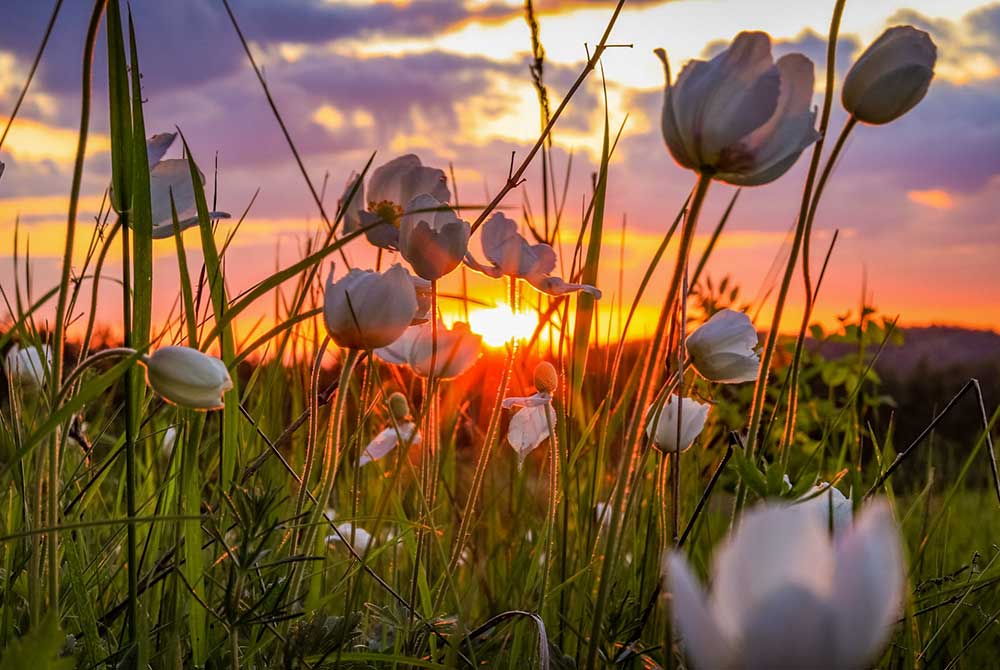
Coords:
pixel 39 649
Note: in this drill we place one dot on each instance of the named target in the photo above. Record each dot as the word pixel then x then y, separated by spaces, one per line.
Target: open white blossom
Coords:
pixel 508 253
pixel 171 176
pixel 458 348
pixel 404 433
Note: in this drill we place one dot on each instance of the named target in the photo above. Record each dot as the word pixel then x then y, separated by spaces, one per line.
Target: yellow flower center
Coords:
pixel 386 210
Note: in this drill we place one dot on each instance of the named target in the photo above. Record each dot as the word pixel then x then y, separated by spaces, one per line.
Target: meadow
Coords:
pixel 364 484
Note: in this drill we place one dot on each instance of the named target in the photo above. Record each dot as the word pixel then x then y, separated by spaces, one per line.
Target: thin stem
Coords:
pixel 514 177
pixel 60 325
pixel 757 408
pixel 634 437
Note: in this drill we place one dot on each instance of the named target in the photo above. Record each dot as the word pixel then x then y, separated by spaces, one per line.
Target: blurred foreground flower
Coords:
pixel 692 419
pixel 722 348
pixel 390 188
pixel 365 309
pixel 510 254
pixel 741 117
pixel 432 238
pixel 26 366
pixel 891 76
pixel 787 595
pixel 458 348
pixel 829 505
pixel 534 422
pixel 402 430
pixel 187 377
pixel 171 176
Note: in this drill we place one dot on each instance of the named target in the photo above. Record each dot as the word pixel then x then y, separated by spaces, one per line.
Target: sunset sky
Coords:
pixel 916 202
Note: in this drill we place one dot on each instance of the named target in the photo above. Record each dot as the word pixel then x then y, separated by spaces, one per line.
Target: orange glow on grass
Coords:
pixel 499 325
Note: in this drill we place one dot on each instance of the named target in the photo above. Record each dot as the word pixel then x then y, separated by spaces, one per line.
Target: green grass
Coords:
pixel 217 553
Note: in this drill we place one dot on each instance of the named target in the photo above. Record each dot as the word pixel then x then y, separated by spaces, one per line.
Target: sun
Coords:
pixel 499 325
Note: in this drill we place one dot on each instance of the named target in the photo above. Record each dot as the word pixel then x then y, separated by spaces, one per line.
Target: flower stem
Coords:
pixel 59 335
pixel 634 437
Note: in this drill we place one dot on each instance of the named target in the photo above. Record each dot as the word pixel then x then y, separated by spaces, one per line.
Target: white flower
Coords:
pixel 168 440
pixel 366 310
pixel 27 366
pixel 458 348
pixel 510 254
pixel 171 176
pixel 432 238
pixel 891 76
pixel 787 595
pixel 531 424
pixel 828 503
pixel 391 187
pixel 741 117
pixel 362 539
pixel 692 419
pixel 722 349
pixel 187 377
pixel 389 439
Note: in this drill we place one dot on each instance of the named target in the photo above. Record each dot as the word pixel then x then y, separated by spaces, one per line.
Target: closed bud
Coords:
pixel 891 76
pixel 368 310
pixel 662 428
pixel 187 377
pixel 27 365
pixel 722 349
pixel 546 377
pixel 398 406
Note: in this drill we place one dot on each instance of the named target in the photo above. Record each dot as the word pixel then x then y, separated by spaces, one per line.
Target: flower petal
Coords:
pixel 703 639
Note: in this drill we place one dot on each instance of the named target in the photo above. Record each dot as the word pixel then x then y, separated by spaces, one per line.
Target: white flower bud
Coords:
pixel 722 349
pixel 27 366
pixel 891 76
pixel 368 310
pixel 187 377
pixel 663 429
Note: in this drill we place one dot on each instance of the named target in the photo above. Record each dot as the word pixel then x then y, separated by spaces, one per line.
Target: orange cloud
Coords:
pixel 35 141
pixel 933 198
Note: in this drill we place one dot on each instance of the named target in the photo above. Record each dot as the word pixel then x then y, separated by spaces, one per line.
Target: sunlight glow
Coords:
pixel 499 325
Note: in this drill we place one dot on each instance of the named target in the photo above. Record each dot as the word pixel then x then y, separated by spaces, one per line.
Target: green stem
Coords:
pixel 793 389
pixel 646 384
pixel 64 288
pixel 757 408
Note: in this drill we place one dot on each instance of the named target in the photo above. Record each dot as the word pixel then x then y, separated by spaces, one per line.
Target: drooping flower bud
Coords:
pixel 891 76
pixel 187 377
pixel 722 349
pixel 663 429
pixel 432 238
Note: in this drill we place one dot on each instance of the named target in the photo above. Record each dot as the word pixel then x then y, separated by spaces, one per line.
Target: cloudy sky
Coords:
pixel 916 202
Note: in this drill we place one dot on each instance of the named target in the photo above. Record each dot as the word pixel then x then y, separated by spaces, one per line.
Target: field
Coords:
pixel 365 481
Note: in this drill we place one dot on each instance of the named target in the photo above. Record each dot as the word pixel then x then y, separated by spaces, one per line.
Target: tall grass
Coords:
pixel 240 542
